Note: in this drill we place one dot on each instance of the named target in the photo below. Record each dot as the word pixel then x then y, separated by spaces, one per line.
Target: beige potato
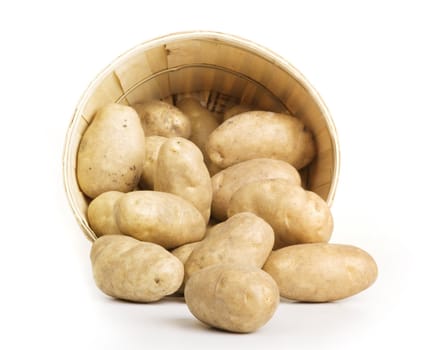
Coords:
pixel 158 217
pixel 236 298
pixel 182 253
pixel 305 150
pixel 100 214
pixel 181 171
pixel 203 122
pixel 152 147
pixel 260 134
pixel 228 181
pixel 162 119
pixel 243 239
pixel 128 269
pixel 237 109
pixel 296 215
pixel 321 272
pixel 111 152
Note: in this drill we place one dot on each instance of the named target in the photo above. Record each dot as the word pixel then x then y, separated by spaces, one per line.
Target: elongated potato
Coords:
pixel 162 119
pixel 236 298
pixel 128 269
pixel 100 213
pixel 152 147
pixel 203 122
pixel 229 180
pixel 320 272
pixel 260 134
pixel 243 239
pixel 235 110
pixel 158 217
pixel 305 150
pixel 296 215
pixel 111 152
pixel 182 253
pixel 180 170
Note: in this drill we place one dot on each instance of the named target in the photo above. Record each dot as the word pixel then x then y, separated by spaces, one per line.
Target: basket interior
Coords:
pixel 220 72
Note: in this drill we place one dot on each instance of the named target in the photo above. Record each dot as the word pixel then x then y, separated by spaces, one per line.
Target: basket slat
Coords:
pixel 108 90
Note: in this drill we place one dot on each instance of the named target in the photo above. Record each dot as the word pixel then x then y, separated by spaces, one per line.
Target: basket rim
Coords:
pixel 232 39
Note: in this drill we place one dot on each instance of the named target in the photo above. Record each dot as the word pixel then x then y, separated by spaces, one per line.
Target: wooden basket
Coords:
pixel 220 70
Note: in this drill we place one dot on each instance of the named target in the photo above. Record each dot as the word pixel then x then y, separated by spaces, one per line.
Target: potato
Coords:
pixel 296 215
pixel 305 150
pixel 235 298
pixel 237 109
pixel 180 170
pixel 203 122
pixel 111 151
pixel 152 147
pixel 229 180
pixel 128 269
pixel 320 272
pixel 162 119
pixel 100 214
pixel 158 217
pixel 182 253
pixel 259 134
pixel 242 239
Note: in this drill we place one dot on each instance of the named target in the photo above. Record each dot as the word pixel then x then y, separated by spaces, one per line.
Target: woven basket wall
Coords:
pixel 220 70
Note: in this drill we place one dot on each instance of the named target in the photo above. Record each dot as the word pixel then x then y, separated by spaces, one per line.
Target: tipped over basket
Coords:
pixel 220 70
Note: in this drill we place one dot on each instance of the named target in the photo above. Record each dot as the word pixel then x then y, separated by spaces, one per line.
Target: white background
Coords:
pixel 367 60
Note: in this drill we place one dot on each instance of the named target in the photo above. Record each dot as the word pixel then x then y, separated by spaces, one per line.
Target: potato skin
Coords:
pixel 228 181
pixel 100 213
pixel 182 253
pixel 161 218
pixel 203 122
pixel 243 239
pixel 180 170
pixel 111 152
pixel 152 147
pixel 321 272
pixel 235 298
pixel 296 216
pixel 128 269
pixel 162 119
pixel 259 134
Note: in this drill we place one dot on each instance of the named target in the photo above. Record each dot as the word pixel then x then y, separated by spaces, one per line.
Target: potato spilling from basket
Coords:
pixel 183 202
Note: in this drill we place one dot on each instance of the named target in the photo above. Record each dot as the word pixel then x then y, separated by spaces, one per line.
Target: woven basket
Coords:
pixel 220 70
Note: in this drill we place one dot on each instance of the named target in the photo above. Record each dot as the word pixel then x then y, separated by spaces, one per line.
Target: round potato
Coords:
pixel 100 214
pixel 243 239
pixel 158 217
pixel 235 298
pixel 296 215
pixel 152 147
pixel 229 180
pixel 321 272
pixel 111 152
pixel 180 170
pixel 182 253
pixel 260 134
pixel 203 122
pixel 162 119
pixel 237 109
pixel 128 269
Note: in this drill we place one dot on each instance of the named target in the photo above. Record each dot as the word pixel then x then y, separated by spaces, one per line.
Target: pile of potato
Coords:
pixel 184 202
